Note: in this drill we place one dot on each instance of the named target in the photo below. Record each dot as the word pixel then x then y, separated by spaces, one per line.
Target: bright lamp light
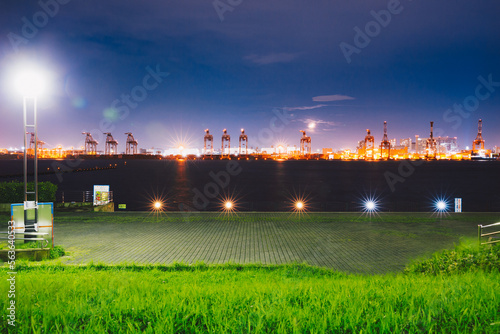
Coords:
pixel 441 205
pixel 31 82
pixel 370 205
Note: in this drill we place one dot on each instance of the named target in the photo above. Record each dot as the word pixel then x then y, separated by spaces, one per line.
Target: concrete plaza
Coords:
pixel 345 242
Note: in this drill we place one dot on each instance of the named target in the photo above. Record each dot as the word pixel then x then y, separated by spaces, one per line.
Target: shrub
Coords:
pixel 56 252
pixel 464 258
pixel 13 192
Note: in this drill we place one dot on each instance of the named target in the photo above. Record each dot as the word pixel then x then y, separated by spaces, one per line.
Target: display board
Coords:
pixel 458 205
pixel 101 194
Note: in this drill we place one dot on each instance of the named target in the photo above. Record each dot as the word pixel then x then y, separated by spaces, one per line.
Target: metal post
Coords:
pixel 30 225
pixel 479 235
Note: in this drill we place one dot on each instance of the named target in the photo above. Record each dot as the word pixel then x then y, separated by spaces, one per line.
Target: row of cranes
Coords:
pixel 431 150
pixel 368 151
pixel 208 143
pixel 110 145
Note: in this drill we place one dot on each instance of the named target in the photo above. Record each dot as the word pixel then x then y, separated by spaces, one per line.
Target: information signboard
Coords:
pixel 458 205
pixel 101 194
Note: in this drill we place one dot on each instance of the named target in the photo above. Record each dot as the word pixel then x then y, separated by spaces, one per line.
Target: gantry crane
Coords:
pixel 131 145
pixel 208 142
pixel 305 144
pixel 90 143
pixel 39 143
pixel 111 144
pixel 369 145
pixel 243 142
pixel 385 145
pixel 478 143
pixel 430 147
pixel 226 139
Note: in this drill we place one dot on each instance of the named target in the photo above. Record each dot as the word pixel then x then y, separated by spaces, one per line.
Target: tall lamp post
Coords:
pixel 30 84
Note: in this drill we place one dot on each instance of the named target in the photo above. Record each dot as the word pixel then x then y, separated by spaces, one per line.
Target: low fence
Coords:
pixel 494 236
pixel 84 196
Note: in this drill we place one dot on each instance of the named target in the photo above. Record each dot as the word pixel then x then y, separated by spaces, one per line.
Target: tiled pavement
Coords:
pixel 318 239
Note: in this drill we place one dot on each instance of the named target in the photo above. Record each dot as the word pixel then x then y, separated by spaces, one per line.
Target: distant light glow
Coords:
pixel 311 125
pixel 157 204
pixel 441 205
pixel 228 204
pixel 370 205
pixel 299 203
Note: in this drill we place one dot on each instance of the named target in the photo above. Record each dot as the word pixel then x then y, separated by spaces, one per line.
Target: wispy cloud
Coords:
pixel 328 98
pixel 306 107
pixel 271 58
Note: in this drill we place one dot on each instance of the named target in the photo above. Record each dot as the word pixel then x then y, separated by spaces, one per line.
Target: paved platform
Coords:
pixel 345 242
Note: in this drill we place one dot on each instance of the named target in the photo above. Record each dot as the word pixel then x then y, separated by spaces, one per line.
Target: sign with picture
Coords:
pixel 101 194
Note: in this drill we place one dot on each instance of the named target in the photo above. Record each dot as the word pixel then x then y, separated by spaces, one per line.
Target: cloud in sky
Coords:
pixel 328 98
pixel 272 58
pixel 306 107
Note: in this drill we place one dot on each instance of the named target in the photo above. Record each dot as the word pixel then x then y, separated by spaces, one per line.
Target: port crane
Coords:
pixel 385 145
pixel 243 142
pixel 208 142
pixel 131 145
pixel 305 144
pixel 226 143
pixel 90 143
pixel 111 144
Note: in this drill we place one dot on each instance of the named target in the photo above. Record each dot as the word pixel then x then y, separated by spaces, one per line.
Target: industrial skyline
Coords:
pixel 430 147
pixel 168 70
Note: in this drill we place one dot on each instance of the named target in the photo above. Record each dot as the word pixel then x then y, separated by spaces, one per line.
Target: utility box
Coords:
pixel 44 224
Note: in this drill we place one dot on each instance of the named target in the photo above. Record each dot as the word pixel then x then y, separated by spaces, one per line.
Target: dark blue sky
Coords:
pixel 258 58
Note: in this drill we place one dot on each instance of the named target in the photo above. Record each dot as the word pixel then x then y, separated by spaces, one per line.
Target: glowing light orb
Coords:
pixel 311 125
pixel 441 205
pixel 157 205
pixel 31 81
pixel 299 205
pixel 370 205
pixel 228 205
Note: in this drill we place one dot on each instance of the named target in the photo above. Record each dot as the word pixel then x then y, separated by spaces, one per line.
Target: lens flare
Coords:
pixel 228 204
pixel 370 205
pixel 440 206
pixel 299 203
pixel 157 203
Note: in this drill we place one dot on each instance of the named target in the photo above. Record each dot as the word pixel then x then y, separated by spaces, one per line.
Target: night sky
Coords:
pixel 244 64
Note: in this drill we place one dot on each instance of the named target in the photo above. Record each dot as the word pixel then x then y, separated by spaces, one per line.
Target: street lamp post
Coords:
pixel 30 83
pixel 30 225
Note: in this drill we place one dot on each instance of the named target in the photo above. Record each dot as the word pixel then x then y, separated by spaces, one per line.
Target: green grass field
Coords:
pixel 455 291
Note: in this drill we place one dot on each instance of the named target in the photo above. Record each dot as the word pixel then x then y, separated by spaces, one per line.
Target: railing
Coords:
pixel 78 196
pixel 480 234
